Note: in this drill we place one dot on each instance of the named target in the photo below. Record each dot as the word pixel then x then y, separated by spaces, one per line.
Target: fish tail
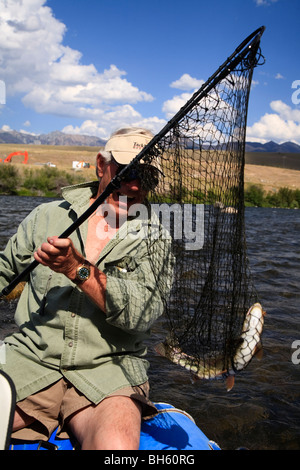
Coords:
pixel 259 352
pixel 15 293
pixel 229 382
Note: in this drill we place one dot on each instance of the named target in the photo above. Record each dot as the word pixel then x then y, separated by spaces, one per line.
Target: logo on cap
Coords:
pixel 136 145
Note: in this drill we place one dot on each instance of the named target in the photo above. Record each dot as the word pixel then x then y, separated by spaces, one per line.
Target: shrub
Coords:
pixel 49 181
pixel 9 179
pixel 254 196
pixel 286 197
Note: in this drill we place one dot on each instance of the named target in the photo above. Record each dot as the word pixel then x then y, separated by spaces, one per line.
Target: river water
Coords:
pixel 262 411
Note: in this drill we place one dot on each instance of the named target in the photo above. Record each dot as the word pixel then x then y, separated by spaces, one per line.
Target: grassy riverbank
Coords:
pixel 265 186
pixel 48 181
pixel 285 197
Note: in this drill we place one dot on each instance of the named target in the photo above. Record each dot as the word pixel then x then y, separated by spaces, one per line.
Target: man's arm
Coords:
pixel 60 255
pixel 131 301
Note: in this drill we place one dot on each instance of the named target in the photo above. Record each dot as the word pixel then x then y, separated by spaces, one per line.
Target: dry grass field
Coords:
pixel 269 178
pixel 61 156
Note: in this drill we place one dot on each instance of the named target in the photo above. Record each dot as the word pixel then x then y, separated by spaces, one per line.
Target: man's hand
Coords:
pixel 60 255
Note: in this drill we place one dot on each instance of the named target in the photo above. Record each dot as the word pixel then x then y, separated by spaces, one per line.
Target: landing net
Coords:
pixel 200 200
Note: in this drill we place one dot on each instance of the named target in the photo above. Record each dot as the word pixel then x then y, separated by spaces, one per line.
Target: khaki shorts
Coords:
pixel 52 406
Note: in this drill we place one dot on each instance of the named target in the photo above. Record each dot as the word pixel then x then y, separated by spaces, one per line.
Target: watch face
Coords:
pixel 83 273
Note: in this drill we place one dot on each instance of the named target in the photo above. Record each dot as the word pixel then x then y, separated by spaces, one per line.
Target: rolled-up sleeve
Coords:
pixel 134 297
pixel 18 252
pixel 133 301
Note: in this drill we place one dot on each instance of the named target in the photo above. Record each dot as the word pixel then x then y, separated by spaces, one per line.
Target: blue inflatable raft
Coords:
pixel 170 429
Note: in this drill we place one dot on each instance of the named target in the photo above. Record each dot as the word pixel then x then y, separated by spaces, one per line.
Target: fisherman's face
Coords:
pixel 129 193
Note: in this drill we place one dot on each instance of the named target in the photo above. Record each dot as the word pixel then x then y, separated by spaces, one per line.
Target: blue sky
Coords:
pixel 91 66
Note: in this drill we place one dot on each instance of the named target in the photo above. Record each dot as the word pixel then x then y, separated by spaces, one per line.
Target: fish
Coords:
pixel 210 368
pixel 250 338
pixel 199 369
pixel 15 293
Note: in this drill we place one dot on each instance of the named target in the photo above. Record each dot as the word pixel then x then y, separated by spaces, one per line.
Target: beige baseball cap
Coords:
pixel 124 147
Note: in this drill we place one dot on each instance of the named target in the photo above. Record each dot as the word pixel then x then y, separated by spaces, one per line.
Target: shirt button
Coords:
pixel 73 315
pixel 70 344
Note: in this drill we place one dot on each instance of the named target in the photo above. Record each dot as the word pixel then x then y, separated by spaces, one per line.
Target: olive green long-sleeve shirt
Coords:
pixel 61 331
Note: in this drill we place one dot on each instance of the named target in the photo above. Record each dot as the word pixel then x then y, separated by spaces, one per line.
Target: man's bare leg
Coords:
pixel 21 419
pixel 113 424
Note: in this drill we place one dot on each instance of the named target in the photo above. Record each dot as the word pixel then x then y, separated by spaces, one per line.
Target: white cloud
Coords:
pixel 278 76
pixel 88 127
pixel 264 2
pixel 49 76
pixel 116 119
pixel 6 128
pixel 281 126
pixel 285 111
pixel 170 107
pixel 214 100
pixel 187 83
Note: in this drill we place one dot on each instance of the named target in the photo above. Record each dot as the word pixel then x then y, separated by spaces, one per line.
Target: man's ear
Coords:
pixel 100 163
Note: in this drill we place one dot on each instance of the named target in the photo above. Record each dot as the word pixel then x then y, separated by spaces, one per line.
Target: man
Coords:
pixel 78 359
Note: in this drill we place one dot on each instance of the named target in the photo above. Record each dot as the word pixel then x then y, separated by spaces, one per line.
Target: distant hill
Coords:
pixel 272 147
pixel 54 138
pixel 60 138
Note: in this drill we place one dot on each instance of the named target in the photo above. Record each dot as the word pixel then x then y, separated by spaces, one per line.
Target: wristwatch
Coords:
pixel 83 272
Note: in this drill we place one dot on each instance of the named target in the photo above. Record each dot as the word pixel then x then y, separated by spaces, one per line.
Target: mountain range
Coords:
pixel 60 138
pixel 54 138
pixel 273 147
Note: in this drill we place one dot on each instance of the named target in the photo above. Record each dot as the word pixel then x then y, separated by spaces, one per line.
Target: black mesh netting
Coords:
pixel 200 201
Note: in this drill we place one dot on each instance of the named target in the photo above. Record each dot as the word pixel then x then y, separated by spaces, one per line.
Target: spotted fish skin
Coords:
pixel 251 336
pixel 199 369
pixel 248 346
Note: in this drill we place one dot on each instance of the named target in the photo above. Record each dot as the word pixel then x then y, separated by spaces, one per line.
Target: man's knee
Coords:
pixel 112 424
